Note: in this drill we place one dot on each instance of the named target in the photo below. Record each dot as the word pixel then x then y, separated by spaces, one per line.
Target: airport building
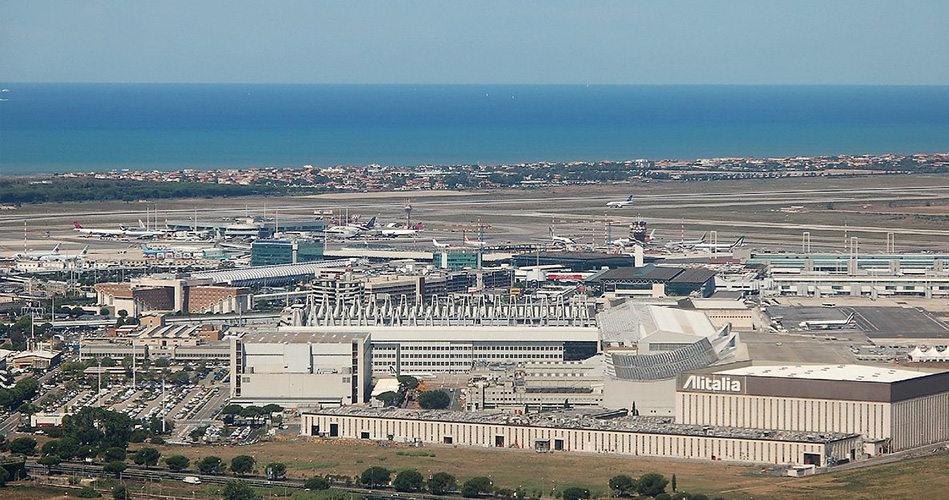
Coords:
pixel 301 368
pixel 652 281
pixel 586 431
pixel 891 409
pixel 279 252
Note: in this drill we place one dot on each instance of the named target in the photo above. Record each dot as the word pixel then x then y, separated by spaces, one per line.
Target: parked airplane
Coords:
pixel 142 232
pixel 827 324
pixel 439 245
pixel 624 242
pixel 621 204
pixel 687 243
pixel 68 257
pixel 350 230
pixel 714 247
pixel 390 231
pixel 105 233
pixel 561 240
pixel 37 255
pixel 474 243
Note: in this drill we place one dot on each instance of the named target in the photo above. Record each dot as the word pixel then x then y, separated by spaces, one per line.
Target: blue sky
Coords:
pixel 443 41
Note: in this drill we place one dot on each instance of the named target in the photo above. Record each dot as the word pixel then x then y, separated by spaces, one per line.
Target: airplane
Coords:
pixel 827 324
pixel 561 240
pixel 142 232
pixel 624 242
pixel 394 232
pixel 621 204
pixel 68 257
pixel 102 233
pixel 37 255
pixel 439 245
pixel 474 243
pixel 350 230
pixel 714 247
pixel 687 243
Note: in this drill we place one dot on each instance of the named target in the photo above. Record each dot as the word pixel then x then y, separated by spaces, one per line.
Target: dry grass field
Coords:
pixel 911 479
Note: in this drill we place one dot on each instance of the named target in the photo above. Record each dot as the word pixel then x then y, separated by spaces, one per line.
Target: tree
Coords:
pixel 104 311
pixel 49 462
pixel 115 467
pixel 651 484
pixel 177 462
pixel 121 492
pixel 4 476
pixel 242 464
pixel 407 382
pixel 272 408
pixel 434 400
pixel 276 470
pixel 98 428
pixel 23 446
pixel 29 409
pixel 476 487
pixel 317 483
pixel 408 480
pixel 389 398
pixel 623 484
pixel 115 454
pixel 673 483
pixel 232 410
pixel 147 457
pixel 576 493
pixel 441 483
pixel 162 362
pixel 108 362
pixel 49 448
pixel 238 490
pixel 209 465
pixel 375 476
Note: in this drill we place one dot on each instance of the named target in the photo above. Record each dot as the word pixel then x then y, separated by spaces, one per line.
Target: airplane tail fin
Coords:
pixel 55 248
pixel 704 235
pixel 371 223
pixel 141 224
pixel 630 198
pixel 740 242
pixel 466 239
pixel 84 251
pixel 651 235
pixel 77 225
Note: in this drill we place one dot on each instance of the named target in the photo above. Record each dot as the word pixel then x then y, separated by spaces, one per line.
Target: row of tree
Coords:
pixel 13 397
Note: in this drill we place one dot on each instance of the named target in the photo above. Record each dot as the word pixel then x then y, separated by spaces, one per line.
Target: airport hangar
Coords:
pixel 742 412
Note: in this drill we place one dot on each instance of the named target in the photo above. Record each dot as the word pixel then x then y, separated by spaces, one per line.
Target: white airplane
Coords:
pixel 390 231
pixel 470 243
pixel 350 230
pixel 621 204
pixel 68 257
pixel 687 243
pixel 103 233
pixel 714 247
pixel 439 245
pixel 37 255
pixel 142 232
pixel 827 324
pixel 562 240
pixel 624 242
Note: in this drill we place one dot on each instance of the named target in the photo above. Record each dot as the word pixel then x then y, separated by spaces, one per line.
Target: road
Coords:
pixel 13 421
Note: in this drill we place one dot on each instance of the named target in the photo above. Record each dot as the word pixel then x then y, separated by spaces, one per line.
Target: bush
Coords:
pixel 237 490
pixel 317 483
pixel 147 457
pixel 408 480
pixel 210 465
pixel 120 492
pixel 115 467
pixel 276 470
pixel 434 400
pixel 576 493
pixel 623 484
pixel 88 492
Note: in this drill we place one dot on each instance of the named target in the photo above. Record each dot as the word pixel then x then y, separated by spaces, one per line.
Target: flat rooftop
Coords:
pixel 603 420
pixel 453 333
pixel 302 337
pixel 848 373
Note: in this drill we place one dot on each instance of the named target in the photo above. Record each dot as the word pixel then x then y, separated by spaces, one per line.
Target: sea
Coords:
pixel 59 128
